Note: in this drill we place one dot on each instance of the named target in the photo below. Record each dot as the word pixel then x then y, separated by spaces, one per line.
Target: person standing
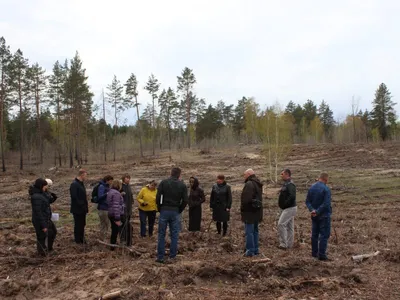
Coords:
pixel 126 234
pixel 171 200
pixel 287 202
pixel 115 210
pixel 318 202
pixel 102 207
pixel 196 199
pixel 79 206
pixel 147 208
pixel 251 211
pixel 220 203
pixel 41 216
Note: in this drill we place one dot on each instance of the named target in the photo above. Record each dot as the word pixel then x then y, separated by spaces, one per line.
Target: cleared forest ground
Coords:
pixel 365 186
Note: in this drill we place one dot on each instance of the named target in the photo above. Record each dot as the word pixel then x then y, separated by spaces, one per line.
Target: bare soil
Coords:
pixel 366 202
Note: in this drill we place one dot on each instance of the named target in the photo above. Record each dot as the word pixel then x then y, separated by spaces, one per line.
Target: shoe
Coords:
pixel 248 254
pixel 324 258
pixel 160 261
pixel 282 247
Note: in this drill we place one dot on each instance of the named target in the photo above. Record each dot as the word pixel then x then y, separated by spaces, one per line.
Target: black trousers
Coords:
pixel 144 216
pixel 224 226
pixel 195 218
pixel 79 228
pixel 126 230
pixel 115 230
pixel 42 237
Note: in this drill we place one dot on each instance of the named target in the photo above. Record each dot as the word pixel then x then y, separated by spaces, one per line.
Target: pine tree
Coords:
pixel 118 103
pixel 185 85
pixel 310 112
pixel 209 124
pixel 57 84
pixel 38 84
pixel 5 65
pixel 383 113
pixel 239 123
pixel 325 114
pixel 168 107
pixel 152 87
pixel 132 93
pixel 19 69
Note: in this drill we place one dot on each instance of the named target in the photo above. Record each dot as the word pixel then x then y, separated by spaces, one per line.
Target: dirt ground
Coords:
pixel 365 187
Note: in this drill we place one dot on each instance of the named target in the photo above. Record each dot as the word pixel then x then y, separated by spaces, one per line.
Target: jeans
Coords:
pixel 104 223
pixel 173 220
pixel 251 239
pixel 224 227
pixel 321 231
pixel 286 227
pixel 145 216
pixel 115 230
pixel 45 240
pixel 79 228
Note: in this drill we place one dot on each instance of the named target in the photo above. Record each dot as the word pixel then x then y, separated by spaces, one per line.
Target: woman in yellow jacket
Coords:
pixel 147 207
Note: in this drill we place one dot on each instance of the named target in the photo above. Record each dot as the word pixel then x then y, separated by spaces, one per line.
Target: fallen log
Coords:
pixel 361 257
pixel 131 250
pixel 262 260
pixel 113 295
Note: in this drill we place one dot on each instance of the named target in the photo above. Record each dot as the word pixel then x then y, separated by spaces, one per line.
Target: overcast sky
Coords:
pixel 271 50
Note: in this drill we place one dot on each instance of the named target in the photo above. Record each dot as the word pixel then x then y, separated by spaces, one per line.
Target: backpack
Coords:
pixel 95 193
pixel 256 203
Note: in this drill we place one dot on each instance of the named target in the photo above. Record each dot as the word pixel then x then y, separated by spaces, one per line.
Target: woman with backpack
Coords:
pixel 147 208
pixel 220 203
pixel 115 210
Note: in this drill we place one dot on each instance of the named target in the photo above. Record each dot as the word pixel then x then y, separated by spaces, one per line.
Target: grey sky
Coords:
pixel 272 50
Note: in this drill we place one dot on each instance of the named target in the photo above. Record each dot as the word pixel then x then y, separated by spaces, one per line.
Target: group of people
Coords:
pixel 114 199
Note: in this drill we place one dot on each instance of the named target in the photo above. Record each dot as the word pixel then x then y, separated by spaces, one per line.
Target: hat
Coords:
pixel 49 182
pixel 40 183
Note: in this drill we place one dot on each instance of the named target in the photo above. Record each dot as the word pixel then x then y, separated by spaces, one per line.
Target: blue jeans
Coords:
pixel 144 216
pixel 321 231
pixel 173 220
pixel 251 239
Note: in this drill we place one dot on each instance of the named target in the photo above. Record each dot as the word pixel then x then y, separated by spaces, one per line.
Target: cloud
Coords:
pixel 286 50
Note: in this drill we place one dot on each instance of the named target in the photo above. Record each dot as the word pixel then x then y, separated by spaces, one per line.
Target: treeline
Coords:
pixel 52 116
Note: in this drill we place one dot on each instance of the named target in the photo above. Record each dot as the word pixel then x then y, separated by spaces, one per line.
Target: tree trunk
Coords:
pixel 105 129
pixel 2 135
pixel 115 132
pixel 153 129
pixel 188 119
pixel 39 132
pixel 21 139
pixel 140 127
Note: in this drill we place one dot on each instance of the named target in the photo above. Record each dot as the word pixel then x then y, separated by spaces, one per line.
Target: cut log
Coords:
pixel 131 250
pixel 361 257
pixel 113 295
pixel 262 260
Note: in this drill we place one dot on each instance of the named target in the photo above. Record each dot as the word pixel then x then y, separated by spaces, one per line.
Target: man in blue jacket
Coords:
pixel 319 204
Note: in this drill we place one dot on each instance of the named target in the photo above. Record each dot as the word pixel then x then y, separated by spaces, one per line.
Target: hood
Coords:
pixel 195 184
pixel 255 179
pixel 34 190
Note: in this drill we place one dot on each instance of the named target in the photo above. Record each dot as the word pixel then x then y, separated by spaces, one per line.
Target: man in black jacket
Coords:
pixel 41 216
pixel 126 233
pixel 251 211
pixel 79 206
pixel 171 199
pixel 287 202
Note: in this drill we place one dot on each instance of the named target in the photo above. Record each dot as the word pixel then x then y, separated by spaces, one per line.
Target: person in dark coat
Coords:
pixel 220 203
pixel 79 206
pixel 196 198
pixel 126 192
pixel 115 210
pixel 251 211
pixel 41 215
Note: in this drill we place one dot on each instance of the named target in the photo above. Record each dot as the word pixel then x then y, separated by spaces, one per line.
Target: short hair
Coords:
pixel 249 171
pixel 176 172
pixel 126 176
pixel 81 172
pixel 324 176
pixel 116 185
pixel 153 182
pixel 108 178
pixel 221 177
pixel 287 171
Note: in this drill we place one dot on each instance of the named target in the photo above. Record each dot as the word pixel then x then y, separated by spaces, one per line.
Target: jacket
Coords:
pixel 251 190
pixel 220 200
pixel 172 195
pixel 115 204
pixel 128 199
pixel 319 199
pixel 79 203
pixel 102 195
pixel 41 211
pixel 287 195
pixel 148 196
pixel 196 196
